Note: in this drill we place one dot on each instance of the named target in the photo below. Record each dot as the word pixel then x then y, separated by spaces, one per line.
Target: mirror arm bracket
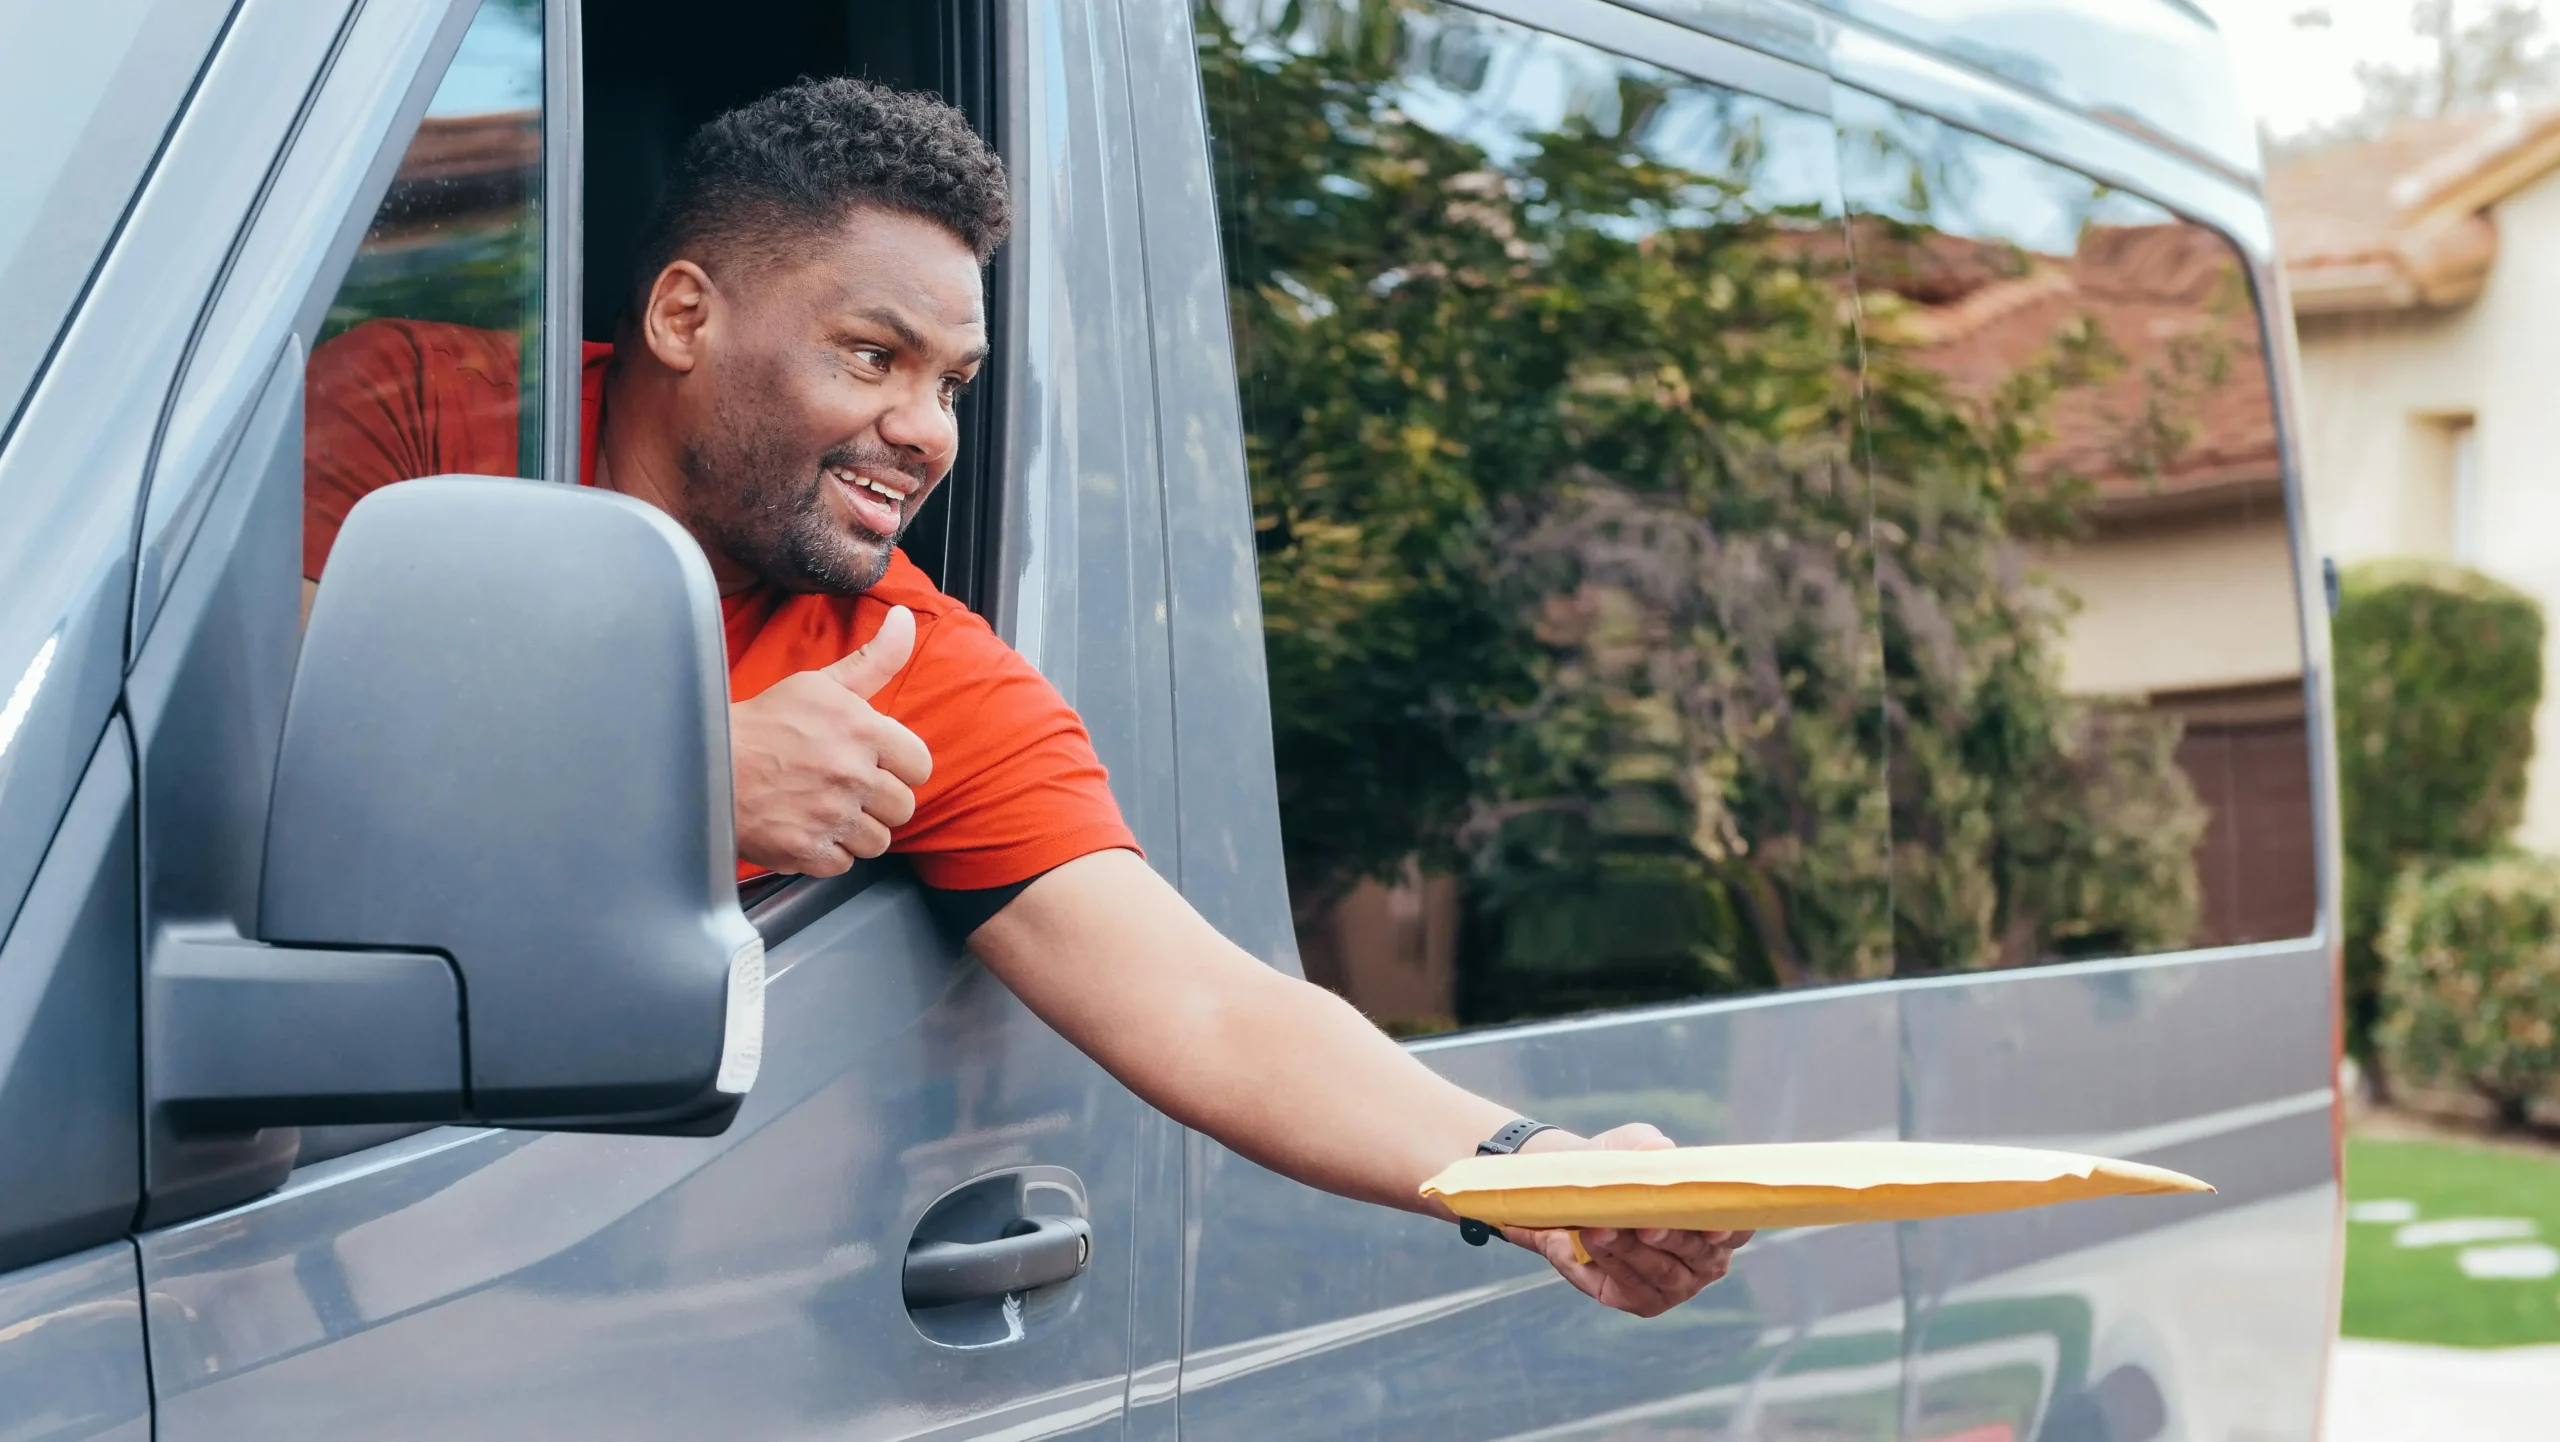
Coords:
pixel 248 1035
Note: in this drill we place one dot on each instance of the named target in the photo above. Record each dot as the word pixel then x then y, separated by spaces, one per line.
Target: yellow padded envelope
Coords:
pixel 1790 1184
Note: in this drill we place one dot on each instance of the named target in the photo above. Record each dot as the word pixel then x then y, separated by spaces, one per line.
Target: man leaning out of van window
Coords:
pixel 807 312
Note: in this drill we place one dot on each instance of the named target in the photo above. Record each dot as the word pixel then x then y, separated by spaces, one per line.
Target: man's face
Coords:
pixel 824 416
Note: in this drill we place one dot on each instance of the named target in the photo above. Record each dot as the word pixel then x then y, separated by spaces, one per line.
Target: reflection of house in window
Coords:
pixel 2181 566
pixel 457 237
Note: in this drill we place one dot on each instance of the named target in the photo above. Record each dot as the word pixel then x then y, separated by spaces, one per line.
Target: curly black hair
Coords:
pixel 777 170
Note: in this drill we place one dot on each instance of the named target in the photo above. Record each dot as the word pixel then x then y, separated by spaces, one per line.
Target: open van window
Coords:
pixel 429 361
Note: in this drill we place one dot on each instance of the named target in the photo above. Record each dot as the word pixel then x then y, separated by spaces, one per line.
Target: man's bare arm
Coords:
pixel 1285 1073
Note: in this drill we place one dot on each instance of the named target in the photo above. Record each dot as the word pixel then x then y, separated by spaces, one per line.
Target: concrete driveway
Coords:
pixel 2401 1392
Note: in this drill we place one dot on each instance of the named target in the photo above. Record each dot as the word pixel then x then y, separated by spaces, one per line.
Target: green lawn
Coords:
pixel 2421 1293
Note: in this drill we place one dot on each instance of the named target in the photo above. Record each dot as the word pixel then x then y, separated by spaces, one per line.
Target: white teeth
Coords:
pixel 867 484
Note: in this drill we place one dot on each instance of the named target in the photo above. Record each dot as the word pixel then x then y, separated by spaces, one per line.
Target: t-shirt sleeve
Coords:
pixel 1016 788
pixel 392 400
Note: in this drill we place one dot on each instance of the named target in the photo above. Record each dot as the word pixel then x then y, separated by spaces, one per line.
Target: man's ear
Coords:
pixel 675 321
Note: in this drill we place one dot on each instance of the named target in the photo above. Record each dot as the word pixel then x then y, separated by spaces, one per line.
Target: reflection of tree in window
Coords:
pixel 1568 580
pixel 1548 378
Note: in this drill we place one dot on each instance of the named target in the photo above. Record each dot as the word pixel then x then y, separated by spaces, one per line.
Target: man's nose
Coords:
pixel 917 425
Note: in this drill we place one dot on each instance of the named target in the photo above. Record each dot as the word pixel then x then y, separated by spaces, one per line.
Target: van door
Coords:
pixel 458 1282
pixel 2105 358
pixel 1543 332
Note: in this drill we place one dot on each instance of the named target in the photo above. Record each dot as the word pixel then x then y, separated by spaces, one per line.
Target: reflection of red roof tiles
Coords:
pixel 2186 415
pixel 459 166
pixel 473 147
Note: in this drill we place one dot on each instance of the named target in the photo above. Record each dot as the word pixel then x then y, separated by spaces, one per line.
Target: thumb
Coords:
pixel 1634 1137
pixel 867 670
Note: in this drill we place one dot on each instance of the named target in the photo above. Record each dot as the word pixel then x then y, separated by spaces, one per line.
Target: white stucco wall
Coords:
pixel 2203 604
pixel 2369 385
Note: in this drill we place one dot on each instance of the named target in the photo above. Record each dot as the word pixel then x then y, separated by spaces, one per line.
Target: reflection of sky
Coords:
pixel 1977 188
pixel 499 66
pixel 1534 83
pixel 2155 59
pixel 1494 85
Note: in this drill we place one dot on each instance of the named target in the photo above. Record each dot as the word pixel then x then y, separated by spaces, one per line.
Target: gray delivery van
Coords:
pixel 1730 562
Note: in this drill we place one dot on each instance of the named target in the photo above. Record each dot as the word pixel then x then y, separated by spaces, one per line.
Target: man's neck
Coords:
pixel 636 458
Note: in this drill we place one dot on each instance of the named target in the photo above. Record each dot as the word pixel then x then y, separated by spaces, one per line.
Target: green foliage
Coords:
pixel 2439 673
pixel 1575 579
pixel 2471 983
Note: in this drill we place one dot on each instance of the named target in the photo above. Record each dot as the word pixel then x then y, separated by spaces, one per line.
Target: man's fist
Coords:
pixel 822 778
pixel 1647 1272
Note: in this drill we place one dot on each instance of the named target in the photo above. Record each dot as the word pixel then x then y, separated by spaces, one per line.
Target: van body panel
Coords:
pixel 2040 1323
pixel 644 1287
pixel 1305 1310
pixel 2225 1319
pixel 72 475
pixel 72 1367
pixel 1222 769
pixel 1081 565
pixel 69 1068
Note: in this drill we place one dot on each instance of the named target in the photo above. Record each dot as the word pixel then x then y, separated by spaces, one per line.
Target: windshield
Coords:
pixel 86 93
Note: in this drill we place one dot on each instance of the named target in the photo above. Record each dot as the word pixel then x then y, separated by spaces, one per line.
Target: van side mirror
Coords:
pixel 500 879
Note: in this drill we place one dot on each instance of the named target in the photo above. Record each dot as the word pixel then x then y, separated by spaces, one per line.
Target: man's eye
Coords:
pixel 872 355
pixel 953 388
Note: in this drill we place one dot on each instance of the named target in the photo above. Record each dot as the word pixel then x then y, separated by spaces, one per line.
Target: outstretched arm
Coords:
pixel 1286 1073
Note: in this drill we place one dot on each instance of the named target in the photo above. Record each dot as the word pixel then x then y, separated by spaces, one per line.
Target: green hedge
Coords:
pixel 2471 980
pixel 2439 671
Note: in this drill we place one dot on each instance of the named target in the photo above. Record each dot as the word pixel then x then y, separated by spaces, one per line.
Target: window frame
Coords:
pixel 564 166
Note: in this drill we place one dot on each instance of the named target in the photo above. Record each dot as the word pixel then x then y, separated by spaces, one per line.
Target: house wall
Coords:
pixel 2375 392
pixel 2204 602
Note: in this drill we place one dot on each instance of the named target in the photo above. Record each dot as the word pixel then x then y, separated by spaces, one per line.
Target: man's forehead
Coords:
pixel 896 266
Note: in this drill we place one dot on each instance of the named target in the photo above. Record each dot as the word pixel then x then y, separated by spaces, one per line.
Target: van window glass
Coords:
pixel 430 358
pixel 2094 641
pixel 87 92
pixel 1548 367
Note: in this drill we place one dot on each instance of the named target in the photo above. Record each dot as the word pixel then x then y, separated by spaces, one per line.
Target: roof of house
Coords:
pixel 2181 420
pixel 2403 220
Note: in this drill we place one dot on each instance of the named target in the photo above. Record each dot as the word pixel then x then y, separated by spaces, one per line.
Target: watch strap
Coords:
pixel 1503 1143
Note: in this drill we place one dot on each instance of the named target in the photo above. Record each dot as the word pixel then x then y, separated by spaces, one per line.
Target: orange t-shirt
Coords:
pixel 1016 789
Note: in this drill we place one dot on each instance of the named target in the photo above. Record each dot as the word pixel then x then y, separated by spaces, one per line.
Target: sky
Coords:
pixel 2297 78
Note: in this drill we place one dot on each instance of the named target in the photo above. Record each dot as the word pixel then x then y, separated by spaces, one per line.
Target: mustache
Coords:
pixel 875 457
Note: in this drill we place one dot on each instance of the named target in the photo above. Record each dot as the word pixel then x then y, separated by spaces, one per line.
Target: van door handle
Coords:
pixel 1034 1252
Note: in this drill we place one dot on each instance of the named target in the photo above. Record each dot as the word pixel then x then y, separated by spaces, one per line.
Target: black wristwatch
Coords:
pixel 1501 1144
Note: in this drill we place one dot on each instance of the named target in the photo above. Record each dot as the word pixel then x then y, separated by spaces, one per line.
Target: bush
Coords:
pixel 2472 979
pixel 2439 671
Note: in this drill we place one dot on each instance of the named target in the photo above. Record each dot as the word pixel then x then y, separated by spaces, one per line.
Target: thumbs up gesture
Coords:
pixel 821 778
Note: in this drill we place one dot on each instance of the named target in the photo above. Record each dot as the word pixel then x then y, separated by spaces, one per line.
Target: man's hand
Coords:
pixel 1647 1272
pixel 822 778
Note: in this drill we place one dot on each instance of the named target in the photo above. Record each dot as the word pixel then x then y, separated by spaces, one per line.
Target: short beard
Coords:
pixel 751 499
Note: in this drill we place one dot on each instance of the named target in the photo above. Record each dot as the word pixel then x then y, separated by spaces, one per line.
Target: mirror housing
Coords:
pixel 500 845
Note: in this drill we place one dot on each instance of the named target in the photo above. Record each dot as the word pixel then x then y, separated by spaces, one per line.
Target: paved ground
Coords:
pixel 2399 1392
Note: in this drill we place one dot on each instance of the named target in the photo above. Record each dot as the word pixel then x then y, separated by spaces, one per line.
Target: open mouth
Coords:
pixel 878 502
